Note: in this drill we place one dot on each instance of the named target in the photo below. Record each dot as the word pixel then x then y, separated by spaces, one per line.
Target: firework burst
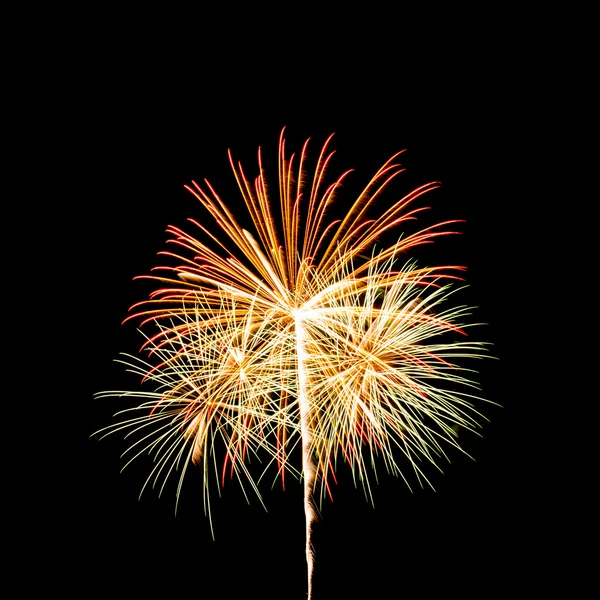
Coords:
pixel 300 333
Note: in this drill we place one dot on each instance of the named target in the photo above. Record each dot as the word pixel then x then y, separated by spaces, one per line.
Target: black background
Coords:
pixel 139 135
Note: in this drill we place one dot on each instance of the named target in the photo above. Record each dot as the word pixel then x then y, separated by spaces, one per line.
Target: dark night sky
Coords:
pixel 142 139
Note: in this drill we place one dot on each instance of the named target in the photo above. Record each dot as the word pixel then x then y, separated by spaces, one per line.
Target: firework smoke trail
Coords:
pixel 308 465
pixel 301 334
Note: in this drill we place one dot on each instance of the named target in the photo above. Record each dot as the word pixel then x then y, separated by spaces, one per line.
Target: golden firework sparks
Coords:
pixel 301 333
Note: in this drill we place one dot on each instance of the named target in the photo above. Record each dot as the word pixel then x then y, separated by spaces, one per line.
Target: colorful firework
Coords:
pixel 301 333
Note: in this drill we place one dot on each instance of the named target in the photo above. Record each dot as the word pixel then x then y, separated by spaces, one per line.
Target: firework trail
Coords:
pixel 302 332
